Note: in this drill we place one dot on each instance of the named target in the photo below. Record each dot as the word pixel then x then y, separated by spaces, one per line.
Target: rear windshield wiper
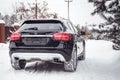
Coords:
pixel 33 28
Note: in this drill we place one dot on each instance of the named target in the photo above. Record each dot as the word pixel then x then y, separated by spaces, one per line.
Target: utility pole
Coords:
pixel 36 9
pixel 68 2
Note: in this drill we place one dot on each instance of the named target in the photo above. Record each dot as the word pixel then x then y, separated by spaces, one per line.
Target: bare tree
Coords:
pixel 13 19
pixel 24 11
pixel 33 11
pixel 6 18
pixel 1 16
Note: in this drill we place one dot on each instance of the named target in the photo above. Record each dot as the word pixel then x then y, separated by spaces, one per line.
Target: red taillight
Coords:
pixel 63 36
pixel 15 36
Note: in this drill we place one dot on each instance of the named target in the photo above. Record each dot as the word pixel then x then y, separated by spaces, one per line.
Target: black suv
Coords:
pixel 52 40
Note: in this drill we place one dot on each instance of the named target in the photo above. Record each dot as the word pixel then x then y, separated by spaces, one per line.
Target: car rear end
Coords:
pixel 42 40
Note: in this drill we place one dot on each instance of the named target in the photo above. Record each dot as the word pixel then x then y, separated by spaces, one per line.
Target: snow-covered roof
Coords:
pixel 1 21
pixel 16 24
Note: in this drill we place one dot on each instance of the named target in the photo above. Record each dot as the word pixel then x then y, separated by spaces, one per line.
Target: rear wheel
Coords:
pixel 72 64
pixel 18 64
pixel 82 56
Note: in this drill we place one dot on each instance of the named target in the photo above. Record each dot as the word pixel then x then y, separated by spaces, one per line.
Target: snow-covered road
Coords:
pixel 102 63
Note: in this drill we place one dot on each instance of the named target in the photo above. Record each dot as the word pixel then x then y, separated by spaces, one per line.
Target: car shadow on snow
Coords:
pixel 44 67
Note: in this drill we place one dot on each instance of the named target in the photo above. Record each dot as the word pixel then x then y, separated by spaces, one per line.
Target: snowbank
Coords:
pixel 1 21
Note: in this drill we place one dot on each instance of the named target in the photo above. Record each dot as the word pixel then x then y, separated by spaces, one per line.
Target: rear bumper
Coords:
pixel 40 57
pixel 42 54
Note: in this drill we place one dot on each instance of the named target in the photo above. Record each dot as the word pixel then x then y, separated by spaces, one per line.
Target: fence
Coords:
pixel 5 32
pixel 2 32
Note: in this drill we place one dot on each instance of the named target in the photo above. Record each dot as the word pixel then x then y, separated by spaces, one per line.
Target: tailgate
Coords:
pixel 39 40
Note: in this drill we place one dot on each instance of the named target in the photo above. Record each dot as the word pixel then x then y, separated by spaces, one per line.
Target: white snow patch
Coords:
pixel 1 21
pixel 102 63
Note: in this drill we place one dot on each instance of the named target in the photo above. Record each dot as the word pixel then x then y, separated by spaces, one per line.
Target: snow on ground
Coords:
pixel 102 63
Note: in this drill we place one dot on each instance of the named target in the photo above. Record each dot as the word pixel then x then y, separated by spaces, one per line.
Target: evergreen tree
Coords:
pixel 110 11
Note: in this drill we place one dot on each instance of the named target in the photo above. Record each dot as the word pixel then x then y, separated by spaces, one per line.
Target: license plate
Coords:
pixel 36 41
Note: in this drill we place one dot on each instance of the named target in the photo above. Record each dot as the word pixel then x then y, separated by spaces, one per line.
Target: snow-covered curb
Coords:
pixel 4 45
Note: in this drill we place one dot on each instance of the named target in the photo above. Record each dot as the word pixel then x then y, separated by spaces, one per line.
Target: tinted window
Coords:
pixel 41 27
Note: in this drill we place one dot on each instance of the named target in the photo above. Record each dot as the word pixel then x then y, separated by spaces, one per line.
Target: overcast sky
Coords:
pixel 79 9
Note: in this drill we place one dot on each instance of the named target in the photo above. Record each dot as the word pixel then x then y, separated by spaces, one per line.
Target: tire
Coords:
pixel 18 64
pixel 116 47
pixel 82 56
pixel 70 66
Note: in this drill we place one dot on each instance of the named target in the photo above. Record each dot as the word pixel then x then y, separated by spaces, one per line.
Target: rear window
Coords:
pixel 41 27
